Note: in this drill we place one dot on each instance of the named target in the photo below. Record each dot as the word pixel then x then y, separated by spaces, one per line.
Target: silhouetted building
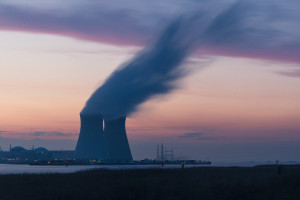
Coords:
pixel 117 142
pixel 19 154
pixel 91 143
pixel 94 143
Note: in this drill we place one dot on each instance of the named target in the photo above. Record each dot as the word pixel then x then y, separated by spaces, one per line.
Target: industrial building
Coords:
pixel 108 144
pixel 20 155
pixel 91 143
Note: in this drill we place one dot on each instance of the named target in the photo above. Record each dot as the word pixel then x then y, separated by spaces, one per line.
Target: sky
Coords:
pixel 238 102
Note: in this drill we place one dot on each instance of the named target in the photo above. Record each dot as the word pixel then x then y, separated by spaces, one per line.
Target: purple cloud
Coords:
pixel 255 29
pixel 196 136
pixel 42 133
pixel 95 22
pixel 295 73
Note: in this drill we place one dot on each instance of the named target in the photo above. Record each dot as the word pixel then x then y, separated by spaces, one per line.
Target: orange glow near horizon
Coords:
pixel 44 86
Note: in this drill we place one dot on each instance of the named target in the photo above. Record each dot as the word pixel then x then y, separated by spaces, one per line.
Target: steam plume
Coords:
pixel 236 30
pixel 152 72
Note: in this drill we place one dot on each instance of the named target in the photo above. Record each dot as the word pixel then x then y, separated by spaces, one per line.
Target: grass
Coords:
pixel 207 183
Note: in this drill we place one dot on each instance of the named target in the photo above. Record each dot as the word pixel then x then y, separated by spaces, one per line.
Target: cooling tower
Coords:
pixel 115 134
pixel 91 142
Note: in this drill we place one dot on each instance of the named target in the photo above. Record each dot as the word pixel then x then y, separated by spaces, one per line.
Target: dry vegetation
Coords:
pixel 194 183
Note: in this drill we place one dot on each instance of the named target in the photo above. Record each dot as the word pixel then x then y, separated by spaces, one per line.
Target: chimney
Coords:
pixel 117 142
pixel 91 143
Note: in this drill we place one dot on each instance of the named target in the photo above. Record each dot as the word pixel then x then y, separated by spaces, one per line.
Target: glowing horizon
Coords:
pixel 48 73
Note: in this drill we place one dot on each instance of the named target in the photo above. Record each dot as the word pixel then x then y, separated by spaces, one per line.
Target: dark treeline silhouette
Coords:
pixel 207 183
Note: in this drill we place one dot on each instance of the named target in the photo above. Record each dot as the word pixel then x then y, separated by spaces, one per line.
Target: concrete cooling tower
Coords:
pixel 117 142
pixel 110 144
pixel 91 143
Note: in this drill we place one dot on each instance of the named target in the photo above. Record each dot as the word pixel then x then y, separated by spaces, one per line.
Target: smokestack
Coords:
pixel 152 72
pixel 91 142
pixel 115 135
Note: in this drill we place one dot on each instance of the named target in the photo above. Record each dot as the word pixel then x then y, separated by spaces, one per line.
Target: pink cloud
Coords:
pixel 245 29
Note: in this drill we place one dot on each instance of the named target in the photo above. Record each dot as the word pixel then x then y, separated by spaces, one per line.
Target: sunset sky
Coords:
pixel 240 100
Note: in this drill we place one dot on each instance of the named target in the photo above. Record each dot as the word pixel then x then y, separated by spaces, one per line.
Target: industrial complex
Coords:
pixel 109 143
pixel 20 155
pixel 101 141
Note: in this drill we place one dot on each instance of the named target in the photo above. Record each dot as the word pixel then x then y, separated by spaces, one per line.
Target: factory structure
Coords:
pixel 98 142
pixel 101 141
pixel 108 143
pixel 20 155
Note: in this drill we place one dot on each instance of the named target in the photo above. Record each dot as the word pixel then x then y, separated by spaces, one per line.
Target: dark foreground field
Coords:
pixel 193 183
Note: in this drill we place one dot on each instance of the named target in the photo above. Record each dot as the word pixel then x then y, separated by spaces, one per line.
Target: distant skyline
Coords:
pixel 235 105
